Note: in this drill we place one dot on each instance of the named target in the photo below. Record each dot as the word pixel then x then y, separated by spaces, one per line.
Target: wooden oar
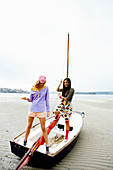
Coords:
pixel 39 142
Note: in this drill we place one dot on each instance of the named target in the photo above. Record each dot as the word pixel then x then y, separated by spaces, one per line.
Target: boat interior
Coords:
pixel 56 136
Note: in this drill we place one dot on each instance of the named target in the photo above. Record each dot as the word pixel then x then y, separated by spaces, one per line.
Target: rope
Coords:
pixel 60 73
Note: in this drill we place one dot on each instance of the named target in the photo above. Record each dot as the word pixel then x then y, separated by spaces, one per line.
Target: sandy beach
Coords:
pixel 94 148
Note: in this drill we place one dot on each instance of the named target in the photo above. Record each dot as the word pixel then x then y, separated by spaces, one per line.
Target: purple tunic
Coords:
pixel 39 103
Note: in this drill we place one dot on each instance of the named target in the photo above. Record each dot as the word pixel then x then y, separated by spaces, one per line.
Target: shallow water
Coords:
pixel 94 148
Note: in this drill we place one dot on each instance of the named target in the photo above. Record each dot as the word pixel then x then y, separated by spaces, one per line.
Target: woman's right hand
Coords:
pixel 48 114
pixel 60 81
pixel 59 85
pixel 24 98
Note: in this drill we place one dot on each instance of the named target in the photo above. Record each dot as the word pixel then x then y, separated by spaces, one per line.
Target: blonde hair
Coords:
pixel 35 86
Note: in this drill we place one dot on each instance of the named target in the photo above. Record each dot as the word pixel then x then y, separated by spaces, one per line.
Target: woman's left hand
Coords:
pixel 65 99
pixel 48 114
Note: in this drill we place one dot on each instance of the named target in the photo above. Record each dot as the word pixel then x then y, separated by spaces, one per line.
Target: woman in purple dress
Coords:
pixel 39 98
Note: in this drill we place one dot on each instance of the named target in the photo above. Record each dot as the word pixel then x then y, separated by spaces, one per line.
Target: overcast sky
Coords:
pixel 33 42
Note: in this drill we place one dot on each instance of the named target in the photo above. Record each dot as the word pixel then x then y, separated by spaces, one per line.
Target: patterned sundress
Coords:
pixel 65 109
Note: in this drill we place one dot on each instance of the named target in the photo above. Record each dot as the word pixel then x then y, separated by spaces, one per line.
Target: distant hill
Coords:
pixel 90 93
pixel 8 90
pixel 97 93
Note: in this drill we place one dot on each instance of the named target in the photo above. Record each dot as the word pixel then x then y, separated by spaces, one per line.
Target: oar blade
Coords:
pixel 23 163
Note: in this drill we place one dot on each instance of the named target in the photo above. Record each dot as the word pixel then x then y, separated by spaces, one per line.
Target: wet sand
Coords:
pixel 94 148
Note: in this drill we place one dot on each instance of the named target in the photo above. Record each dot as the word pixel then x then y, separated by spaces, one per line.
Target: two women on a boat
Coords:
pixel 39 97
pixel 65 106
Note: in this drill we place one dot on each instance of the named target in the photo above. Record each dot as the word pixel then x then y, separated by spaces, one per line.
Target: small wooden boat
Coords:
pixel 58 147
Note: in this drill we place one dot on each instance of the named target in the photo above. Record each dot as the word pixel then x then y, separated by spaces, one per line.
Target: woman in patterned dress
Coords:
pixel 65 106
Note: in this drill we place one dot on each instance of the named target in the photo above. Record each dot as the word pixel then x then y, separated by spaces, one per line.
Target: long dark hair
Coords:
pixel 66 88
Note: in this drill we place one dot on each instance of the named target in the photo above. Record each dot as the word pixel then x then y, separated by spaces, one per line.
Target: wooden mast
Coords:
pixel 68 55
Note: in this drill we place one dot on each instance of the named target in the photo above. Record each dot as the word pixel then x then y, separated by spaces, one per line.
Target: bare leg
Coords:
pixel 56 112
pixel 67 125
pixel 30 121
pixel 42 122
pixel 67 129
